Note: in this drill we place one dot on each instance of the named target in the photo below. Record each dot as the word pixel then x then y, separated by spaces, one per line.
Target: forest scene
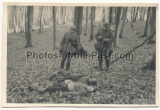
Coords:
pixel 35 31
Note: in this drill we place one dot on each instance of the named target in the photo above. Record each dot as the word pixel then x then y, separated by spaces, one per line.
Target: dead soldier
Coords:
pixel 75 88
pixel 81 78
pixel 68 47
pixel 104 39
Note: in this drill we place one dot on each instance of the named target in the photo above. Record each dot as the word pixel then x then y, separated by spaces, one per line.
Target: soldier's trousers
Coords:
pixel 68 57
pixel 107 59
pixel 107 62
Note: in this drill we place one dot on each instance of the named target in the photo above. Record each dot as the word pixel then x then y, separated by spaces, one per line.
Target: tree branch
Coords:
pixel 136 47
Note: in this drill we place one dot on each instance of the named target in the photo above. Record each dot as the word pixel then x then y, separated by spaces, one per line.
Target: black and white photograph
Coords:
pixel 67 54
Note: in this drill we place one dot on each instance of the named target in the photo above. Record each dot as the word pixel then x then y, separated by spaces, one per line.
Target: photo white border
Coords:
pixel 4 56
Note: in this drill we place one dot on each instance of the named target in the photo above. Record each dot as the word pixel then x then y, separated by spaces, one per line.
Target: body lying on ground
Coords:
pixel 75 84
pixel 81 78
pixel 76 88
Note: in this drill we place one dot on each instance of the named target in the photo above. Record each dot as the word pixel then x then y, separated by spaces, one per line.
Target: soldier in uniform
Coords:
pixel 104 39
pixel 69 46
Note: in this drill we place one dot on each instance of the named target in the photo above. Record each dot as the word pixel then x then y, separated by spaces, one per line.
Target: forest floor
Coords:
pixel 124 83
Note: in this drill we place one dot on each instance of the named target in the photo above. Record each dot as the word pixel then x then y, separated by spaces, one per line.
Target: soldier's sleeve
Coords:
pixel 111 39
pixel 77 42
pixel 62 41
pixel 97 34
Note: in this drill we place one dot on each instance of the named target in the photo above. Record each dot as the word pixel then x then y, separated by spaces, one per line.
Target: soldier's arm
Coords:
pixel 111 39
pixel 97 35
pixel 62 41
pixel 77 43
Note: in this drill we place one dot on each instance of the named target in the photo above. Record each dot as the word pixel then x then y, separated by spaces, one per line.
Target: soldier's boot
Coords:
pixel 62 63
pixel 68 64
pixel 100 64
pixel 107 64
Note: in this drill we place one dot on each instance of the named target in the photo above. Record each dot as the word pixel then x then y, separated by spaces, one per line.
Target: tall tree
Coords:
pixel 67 18
pixel 117 20
pixel 141 12
pixel 144 12
pixel 26 22
pixel 153 23
pixel 135 17
pixel 41 19
pixel 122 13
pixel 22 18
pixel 124 19
pixel 145 34
pixel 54 26
pixel 110 16
pixel 131 16
pixel 152 64
pixel 64 15
pixel 134 11
pixel 103 16
pixel 92 22
pixel 86 27
pixel 30 21
pixel 78 16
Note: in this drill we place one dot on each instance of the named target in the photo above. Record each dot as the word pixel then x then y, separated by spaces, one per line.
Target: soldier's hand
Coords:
pixel 100 37
pixel 106 40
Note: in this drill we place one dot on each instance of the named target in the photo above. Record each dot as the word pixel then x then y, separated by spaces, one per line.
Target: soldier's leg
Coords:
pixel 62 62
pixel 68 62
pixel 100 63
pixel 107 60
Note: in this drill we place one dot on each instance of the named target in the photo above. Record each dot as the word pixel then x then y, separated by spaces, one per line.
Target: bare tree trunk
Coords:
pixel 145 34
pixel 153 23
pixel 26 23
pixel 144 11
pixel 17 18
pixel 64 15
pixel 94 14
pixel 123 23
pixel 69 15
pixel 131 16
pixel 110 16
pixel 140 11
pixel 103 16
pixel 78 16
pixel 41 20
pixel 86 27
pixel 134 10
pixel 117 20
pixel 54 26
pixel 152 64
pixel 33 20
pixel 22 18
pixel 122 13
pixel 30 21
pixel 136 15
pixel 92 20
pixel 73 15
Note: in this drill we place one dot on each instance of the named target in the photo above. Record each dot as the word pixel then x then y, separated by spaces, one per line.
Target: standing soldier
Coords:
pixel 69 46
pixel 104 39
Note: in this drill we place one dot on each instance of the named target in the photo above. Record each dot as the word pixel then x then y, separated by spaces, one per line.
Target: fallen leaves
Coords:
pixel 125 83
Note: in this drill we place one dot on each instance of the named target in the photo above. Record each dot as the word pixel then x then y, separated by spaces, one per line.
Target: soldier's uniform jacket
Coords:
pixel 69 43
pixel 105 35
